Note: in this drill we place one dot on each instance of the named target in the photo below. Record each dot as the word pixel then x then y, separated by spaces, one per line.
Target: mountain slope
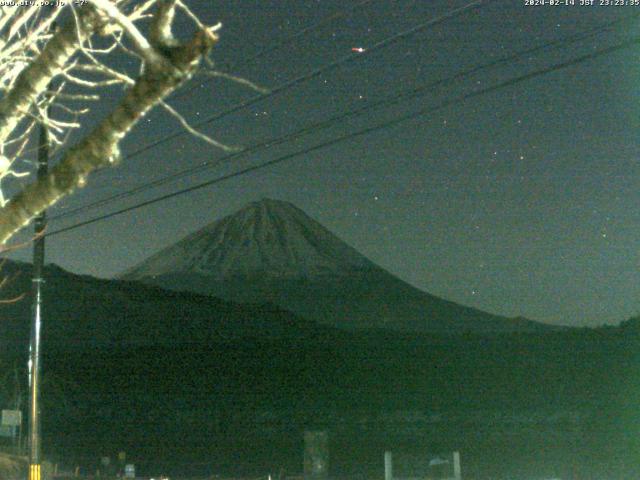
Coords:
pixel 85 312
pixel 271 251
pixel 270 237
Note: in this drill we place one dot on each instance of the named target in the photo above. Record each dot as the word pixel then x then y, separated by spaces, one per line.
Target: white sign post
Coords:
pixel 11 424
pixel 11 418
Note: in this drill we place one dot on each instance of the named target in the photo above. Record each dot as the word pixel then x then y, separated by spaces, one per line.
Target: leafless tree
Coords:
pixel 51 75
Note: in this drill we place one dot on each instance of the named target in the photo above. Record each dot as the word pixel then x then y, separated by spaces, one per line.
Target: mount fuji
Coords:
pixel 272 252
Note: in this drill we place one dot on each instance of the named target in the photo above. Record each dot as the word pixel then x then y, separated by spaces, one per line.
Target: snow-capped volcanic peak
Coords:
pixel 268 237
pixel 272 252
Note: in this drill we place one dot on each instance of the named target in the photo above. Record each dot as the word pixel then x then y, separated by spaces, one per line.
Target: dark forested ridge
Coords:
pixel 183 380
pixel 578 389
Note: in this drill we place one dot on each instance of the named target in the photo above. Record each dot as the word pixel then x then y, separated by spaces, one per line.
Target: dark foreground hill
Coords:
pixel 514 405
pixel 271 251
pixel 190 384
pixel 85 312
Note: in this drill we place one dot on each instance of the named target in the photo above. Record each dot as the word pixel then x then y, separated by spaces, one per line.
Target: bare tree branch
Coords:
pixel 236 79
pixel 185 124
pixel 100 148
pixel 35 78
pixel 139 41
pixel 44 74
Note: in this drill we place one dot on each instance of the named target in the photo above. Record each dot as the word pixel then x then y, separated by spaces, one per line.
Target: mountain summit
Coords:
pixel 269 237
pixel 272 252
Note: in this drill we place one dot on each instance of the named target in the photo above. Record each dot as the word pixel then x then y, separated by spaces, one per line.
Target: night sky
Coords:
pixel 523 201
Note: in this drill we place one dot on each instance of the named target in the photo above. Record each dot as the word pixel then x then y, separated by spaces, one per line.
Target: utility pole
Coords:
pixel 36 316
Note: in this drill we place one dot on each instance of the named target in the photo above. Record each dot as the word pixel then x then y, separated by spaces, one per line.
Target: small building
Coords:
pixel 423 467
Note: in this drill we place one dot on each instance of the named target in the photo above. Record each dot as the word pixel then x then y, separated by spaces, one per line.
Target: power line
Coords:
pixel 265 51
pixel 365 131
pixel 314 73
pixel 280 43
pixel 386 101
pixel 388 41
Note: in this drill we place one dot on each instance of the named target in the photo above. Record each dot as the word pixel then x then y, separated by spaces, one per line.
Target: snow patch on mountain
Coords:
pixel 268 237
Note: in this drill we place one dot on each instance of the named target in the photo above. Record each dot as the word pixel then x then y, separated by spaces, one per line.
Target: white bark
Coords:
pixel 35 78
pixel 140 43
pixel 31 56
pixel 100 147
